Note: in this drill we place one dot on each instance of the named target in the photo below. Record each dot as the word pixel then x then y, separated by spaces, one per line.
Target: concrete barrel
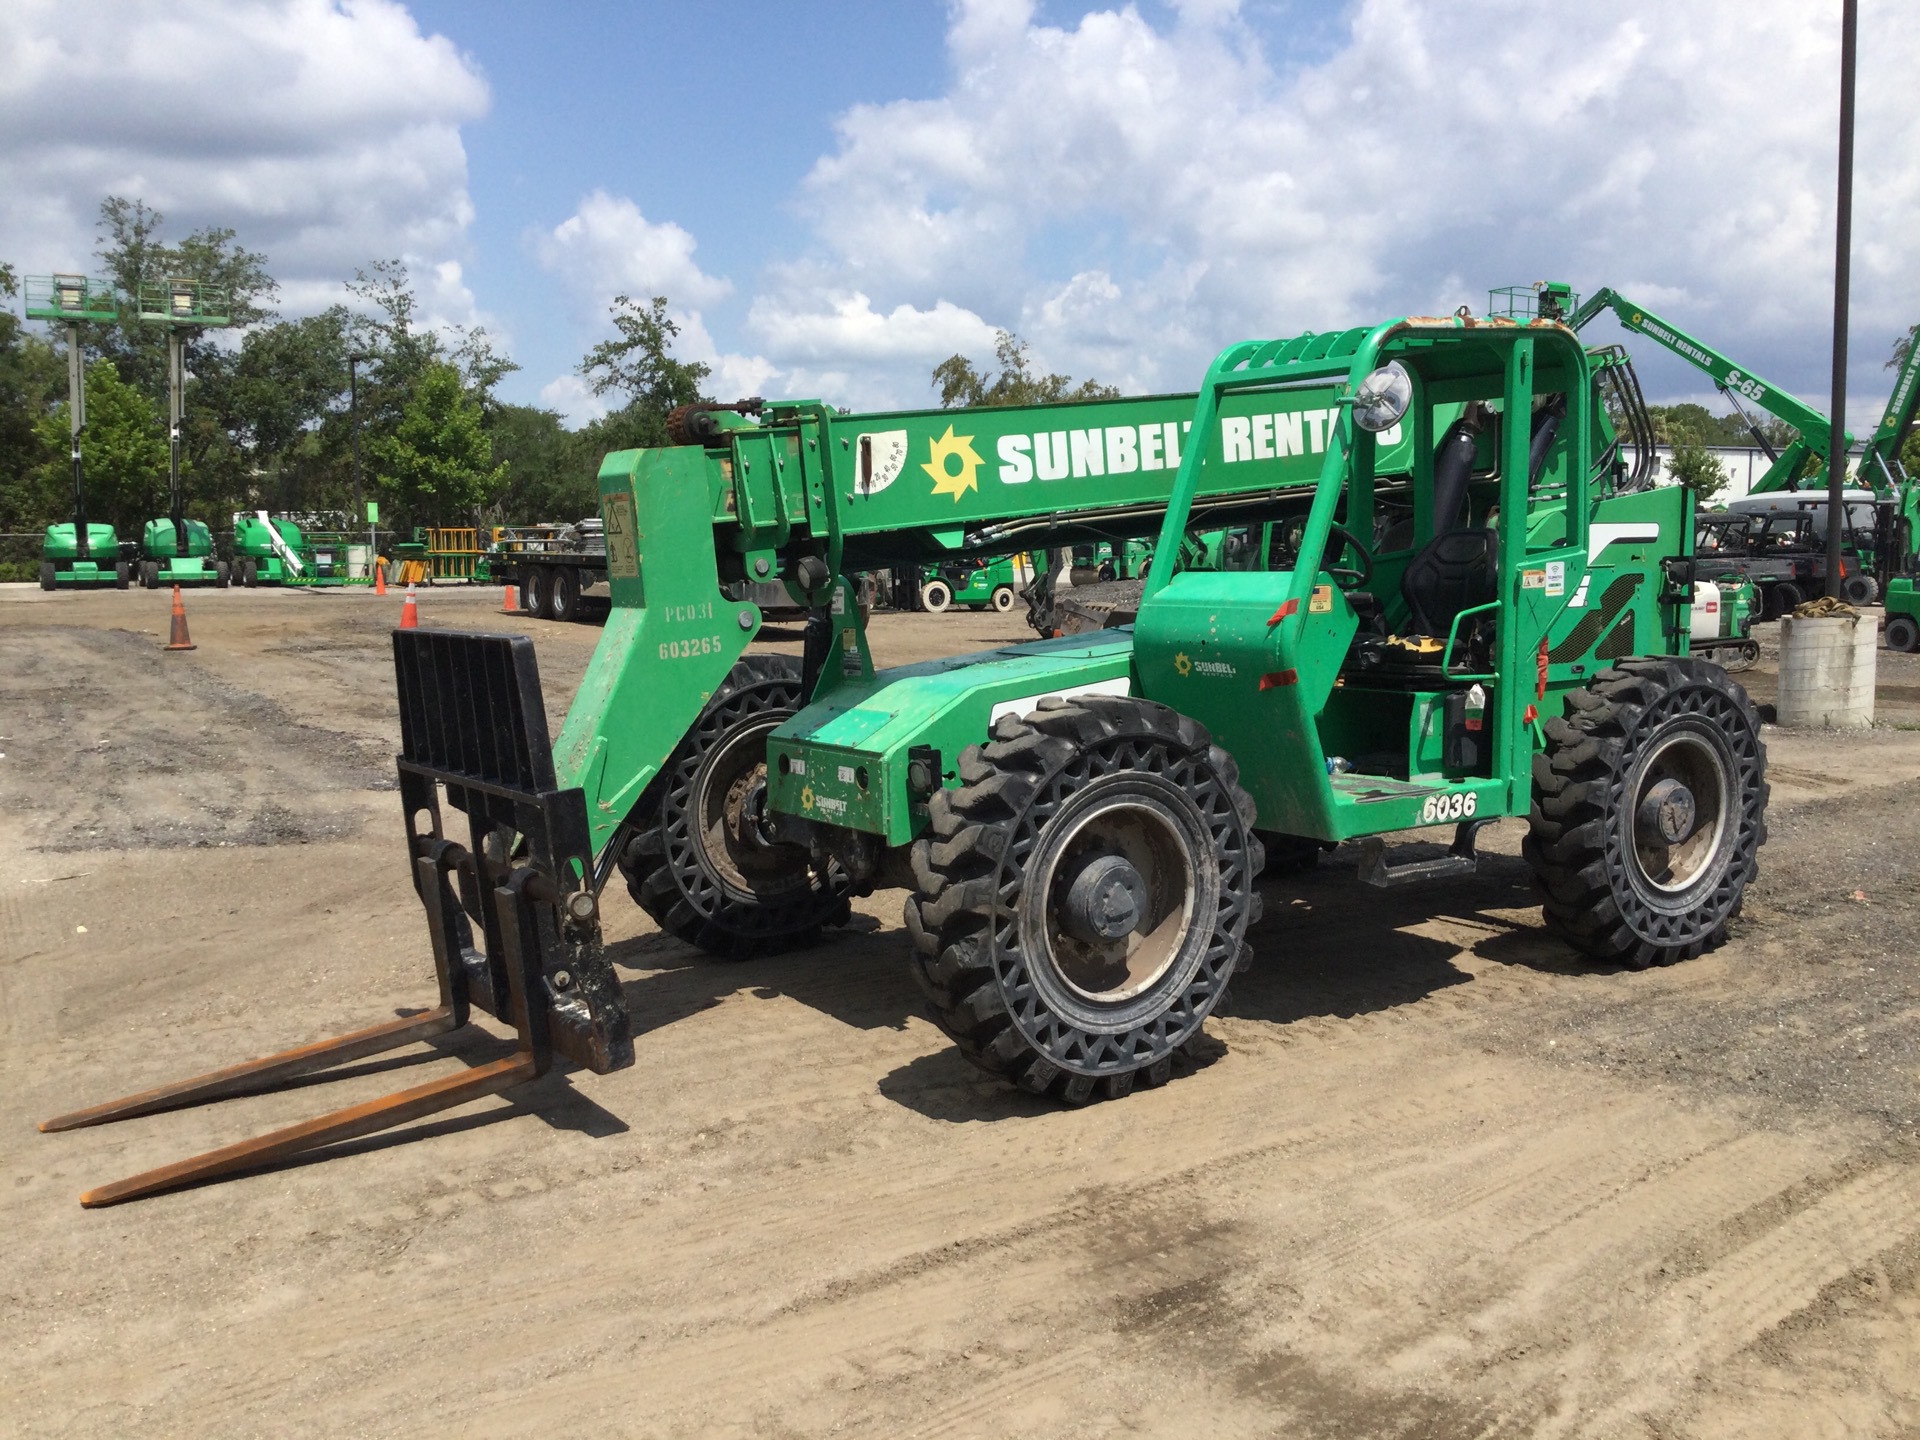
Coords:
pixel 1827 671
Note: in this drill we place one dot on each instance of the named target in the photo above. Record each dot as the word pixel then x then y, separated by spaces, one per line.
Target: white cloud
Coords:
pixel 607 248
pixel 845 326
pixel 573 398
pixel 326 134
pixel 1131 196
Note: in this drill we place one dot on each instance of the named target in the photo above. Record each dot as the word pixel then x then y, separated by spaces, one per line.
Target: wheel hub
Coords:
pixel 1116 891
pixel 747 811
pixel 1667 813
pixel 1682 812
pixel 1106 900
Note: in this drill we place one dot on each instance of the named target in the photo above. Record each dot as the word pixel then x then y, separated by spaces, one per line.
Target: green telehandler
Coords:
pixel 1479 613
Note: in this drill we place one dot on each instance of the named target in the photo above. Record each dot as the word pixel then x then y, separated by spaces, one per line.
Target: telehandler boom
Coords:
pixel 1740 385
pixel 1471 612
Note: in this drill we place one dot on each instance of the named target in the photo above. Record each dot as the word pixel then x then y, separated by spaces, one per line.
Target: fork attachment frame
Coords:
pixel 474 736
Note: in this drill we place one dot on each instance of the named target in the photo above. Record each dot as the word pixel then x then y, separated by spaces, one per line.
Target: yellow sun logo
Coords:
pixel 806 797
pixel 1182 663
pixel 948 480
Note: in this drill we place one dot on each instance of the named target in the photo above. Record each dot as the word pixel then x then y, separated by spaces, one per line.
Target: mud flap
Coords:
pixel 473 742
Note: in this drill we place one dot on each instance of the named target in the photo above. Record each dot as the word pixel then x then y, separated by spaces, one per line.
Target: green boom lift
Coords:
pixel 175 550
pixel 77 552
pixel 1080 821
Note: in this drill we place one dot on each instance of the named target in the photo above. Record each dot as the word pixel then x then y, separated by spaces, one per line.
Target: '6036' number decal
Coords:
pixel 687 649
pixel 1458 806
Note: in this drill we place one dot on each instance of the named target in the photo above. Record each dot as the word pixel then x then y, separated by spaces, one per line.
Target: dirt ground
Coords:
pixel 1435 1178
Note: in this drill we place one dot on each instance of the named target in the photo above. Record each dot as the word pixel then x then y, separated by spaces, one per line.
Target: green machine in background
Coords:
pixel 77 552
pixel 269 550
pixel 1881 468
pixel 175 550
pixel 992 582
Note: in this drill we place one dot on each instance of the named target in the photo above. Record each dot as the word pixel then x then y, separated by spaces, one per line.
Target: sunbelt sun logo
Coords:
pixel 953 464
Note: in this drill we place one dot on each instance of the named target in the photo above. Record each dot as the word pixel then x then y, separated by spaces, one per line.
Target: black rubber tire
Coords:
pixel 671 874
pixel 1784 599
pixel 525 599
pixel 565 601
pixel 222 574
pixel 1859 589
pixel 149 574
pixel 1106 571
pixel 1006 1003
pixel 121 575
pixel 539 588
pixel 1903 634
pixel 935 597
pixel 250 574
pixel 1599 897
pixel 47 574
pixel 1002 600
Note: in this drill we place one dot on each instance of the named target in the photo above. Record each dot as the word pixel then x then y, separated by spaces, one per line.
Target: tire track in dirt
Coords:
pixel 1708 1319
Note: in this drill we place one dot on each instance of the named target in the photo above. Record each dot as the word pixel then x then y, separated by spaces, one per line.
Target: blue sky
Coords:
pixel 836 196
pixel 708 114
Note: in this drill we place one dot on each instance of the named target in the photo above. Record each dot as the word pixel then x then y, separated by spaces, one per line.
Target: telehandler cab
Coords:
pixel 1475 611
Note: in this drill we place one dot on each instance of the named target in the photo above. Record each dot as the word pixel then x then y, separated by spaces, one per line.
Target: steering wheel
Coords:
pixel 1347 577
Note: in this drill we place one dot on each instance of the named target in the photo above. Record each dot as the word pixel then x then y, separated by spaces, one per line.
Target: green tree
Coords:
pixel 30 381
pixel 1695 465
pixel 437 462
pixel 960 384
pixel 639 365
pixel 1690 423
pixel 551 472
pixel 135 254
pixel 123 452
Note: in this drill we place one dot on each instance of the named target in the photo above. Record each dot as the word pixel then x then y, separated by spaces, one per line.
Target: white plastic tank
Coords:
pixel 357 562
pixel 1706 610
pixel 1827 671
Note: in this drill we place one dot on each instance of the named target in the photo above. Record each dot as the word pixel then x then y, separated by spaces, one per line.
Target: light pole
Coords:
pixel 1842 277
pixel 354 358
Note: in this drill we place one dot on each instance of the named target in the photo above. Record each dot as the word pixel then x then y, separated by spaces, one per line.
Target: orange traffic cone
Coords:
pixel 507 605
pixel 379 577
pixel 180 640
pixel 410 612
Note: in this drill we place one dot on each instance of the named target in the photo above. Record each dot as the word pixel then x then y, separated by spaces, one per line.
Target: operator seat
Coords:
pixel 1460 566
pixel 1454 571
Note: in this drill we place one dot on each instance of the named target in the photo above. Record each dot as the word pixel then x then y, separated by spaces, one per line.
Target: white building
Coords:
pixel 1744 465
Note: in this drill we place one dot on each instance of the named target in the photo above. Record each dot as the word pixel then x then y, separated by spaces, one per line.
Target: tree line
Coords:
pixel 268 422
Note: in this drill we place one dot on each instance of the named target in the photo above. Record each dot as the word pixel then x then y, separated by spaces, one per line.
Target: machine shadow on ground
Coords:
pixel 1328 947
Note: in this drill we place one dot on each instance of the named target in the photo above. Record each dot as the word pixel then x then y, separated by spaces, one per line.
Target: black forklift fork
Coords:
pixel 473 727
